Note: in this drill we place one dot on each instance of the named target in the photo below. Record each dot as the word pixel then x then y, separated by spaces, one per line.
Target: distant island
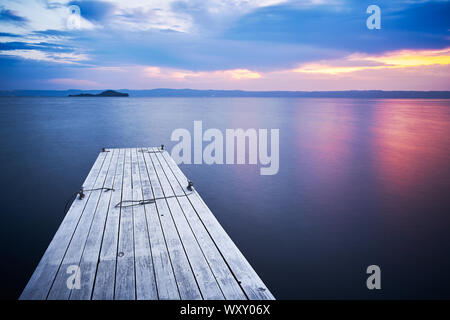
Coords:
pixel 352 94
pixel 107 93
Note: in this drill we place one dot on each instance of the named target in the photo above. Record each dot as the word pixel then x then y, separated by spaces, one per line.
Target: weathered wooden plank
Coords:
pixel 202 271
pixel 125 273
pixel 91 252
pixel 165 278
pixel 187 284
pixel 60 290
pixel 145 275
pixel 41 281
pixel 106 270
pixel 249 280
pixel 227 282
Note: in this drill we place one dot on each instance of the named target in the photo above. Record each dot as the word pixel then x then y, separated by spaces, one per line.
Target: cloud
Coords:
pixel 42 46
pixel 11 16
pixel 235 44
pixel 214 16
pixel 38 55
pixel 34 74
pixel 183 75
pixel 410 58
pixel 11 35
pixel 403 59
pixel 390 60
pixel 57 33
pixel 342 25
pixel 243 74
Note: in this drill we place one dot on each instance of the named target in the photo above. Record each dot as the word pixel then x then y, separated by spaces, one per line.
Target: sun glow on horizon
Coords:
pixel 392 60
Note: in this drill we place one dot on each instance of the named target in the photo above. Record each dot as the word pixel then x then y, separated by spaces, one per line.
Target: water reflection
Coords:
pixel 408 149
pixel 360 182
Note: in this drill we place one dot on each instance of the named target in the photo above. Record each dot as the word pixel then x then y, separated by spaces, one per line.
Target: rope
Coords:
pixel 145 201
pixel 104 188
pixel 74 195
pixel 159 151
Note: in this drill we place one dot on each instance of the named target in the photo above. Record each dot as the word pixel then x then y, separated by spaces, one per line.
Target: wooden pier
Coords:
pixel 140 233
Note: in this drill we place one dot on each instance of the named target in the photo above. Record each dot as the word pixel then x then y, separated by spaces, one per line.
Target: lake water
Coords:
pixel 361 182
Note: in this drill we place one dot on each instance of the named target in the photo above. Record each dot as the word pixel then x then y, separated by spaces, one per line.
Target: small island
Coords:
pixel 107 93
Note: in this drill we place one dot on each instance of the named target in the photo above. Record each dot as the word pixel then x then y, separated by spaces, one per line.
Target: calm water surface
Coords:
pixel 361 182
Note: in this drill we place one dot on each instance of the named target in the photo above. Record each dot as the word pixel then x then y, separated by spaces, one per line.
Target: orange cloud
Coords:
pixel 175 74
pixel 332 70
pixel 392 60
pixel 398 70
pixel 410 58
pixel 243 74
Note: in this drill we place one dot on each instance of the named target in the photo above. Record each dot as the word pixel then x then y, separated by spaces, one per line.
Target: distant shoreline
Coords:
pixel 185 93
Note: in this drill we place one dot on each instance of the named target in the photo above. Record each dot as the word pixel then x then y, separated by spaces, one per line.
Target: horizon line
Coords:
pixel 226 90
pixel 199 93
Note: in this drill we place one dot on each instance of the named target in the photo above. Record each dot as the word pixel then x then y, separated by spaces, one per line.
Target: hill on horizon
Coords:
pixel 106 93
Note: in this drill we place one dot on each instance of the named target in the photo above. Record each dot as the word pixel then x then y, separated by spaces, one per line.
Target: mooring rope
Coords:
pixel 146 201
pixel 81 194
pixel 132 202
pixel 103 188
pixel 159 150
pixel 146 151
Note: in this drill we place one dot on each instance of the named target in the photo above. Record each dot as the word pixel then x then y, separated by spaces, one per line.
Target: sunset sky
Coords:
pixel 234 44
